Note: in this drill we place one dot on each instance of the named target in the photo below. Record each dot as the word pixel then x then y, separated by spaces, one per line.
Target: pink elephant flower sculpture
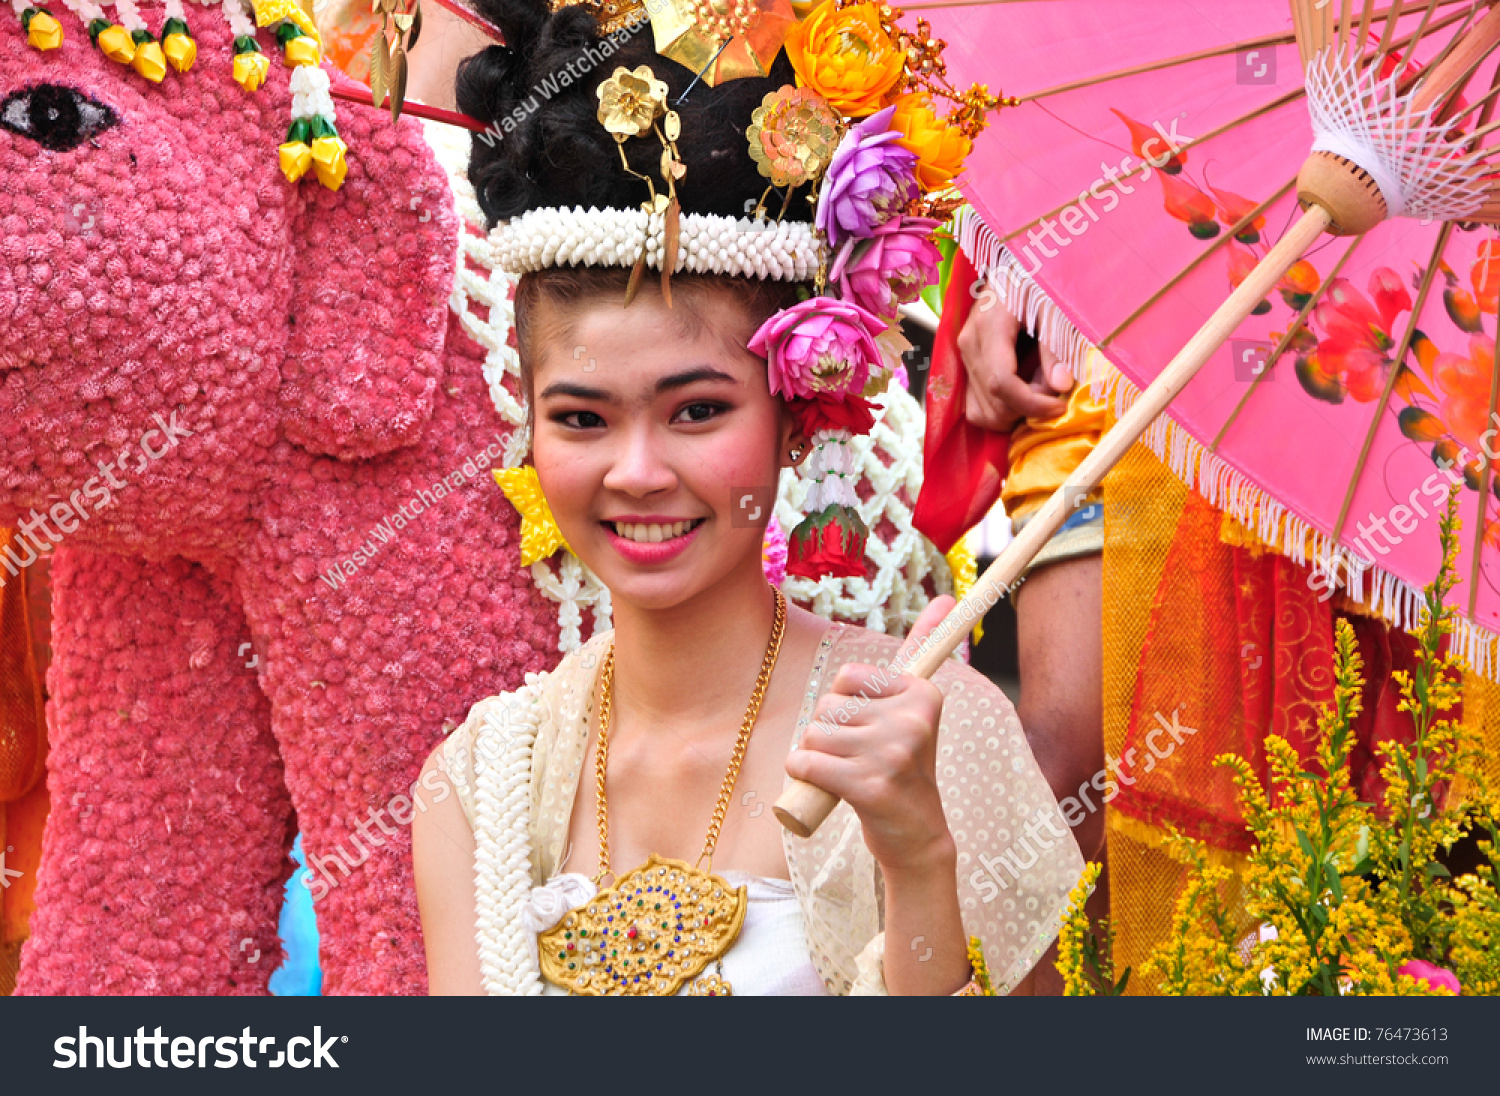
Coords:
pixel 241 412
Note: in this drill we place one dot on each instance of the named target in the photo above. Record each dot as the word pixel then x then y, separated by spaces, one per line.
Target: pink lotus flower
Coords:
pixel 773 553
pixel 1434 975
pixel 820 347
pixel 889 268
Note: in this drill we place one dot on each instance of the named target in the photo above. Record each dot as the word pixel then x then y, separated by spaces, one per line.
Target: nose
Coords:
pixel 55 116
pixel 640 467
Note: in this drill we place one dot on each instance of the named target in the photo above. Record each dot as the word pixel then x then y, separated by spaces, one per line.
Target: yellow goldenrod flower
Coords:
pixel 296 158
pixel 181 50
pixel 328 161
pixel 250 70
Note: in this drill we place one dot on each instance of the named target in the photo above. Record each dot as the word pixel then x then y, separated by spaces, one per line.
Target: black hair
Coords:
pixel 547 147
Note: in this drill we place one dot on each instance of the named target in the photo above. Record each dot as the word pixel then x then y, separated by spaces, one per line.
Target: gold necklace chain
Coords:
pixel 742 743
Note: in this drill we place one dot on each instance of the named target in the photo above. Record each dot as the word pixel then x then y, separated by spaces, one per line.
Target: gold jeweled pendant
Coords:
pixel 660 925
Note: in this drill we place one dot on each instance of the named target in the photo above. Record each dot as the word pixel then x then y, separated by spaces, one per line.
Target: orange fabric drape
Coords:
pixel 23 751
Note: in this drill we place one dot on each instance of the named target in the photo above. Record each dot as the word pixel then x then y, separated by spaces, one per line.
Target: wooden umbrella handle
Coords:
pixel 802 807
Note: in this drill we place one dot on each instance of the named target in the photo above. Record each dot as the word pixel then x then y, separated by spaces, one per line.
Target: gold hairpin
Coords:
pixel 634 104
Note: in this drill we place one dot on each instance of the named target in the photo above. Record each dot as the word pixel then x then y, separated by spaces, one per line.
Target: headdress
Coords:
pixel 855 167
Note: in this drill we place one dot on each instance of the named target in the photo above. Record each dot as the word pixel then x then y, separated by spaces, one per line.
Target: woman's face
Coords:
pixel 650 432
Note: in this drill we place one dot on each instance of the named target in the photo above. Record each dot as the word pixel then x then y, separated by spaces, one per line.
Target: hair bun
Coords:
pixel 546 146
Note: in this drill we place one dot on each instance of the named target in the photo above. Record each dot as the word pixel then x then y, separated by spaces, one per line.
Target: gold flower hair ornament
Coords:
pixel 630 105
pixel 792 136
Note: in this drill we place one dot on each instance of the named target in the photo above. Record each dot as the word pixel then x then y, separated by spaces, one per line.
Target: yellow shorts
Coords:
pixel 1043 454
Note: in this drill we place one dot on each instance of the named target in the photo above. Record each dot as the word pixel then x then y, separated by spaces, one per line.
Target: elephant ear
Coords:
pixel 369 310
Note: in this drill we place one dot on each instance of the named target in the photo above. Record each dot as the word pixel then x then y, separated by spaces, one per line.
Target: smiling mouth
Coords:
pixel 653 534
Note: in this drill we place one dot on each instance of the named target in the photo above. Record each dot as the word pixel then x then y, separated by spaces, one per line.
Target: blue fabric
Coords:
pixel 300 975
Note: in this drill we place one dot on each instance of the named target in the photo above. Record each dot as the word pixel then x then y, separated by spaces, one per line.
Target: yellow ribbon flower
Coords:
pixel 296 158
pixel 43 31
pixel 965 568
pixel 181 50
pixel 150 61
pixel 116 44
pixel 250 70
pixel 940 148
pixel 273 11
pixel 540 536
pixel 328 161
pixel 845 56
pixel 301 51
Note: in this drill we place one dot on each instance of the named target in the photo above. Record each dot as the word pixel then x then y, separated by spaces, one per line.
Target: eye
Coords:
pixel 54 116
pixel 579 420
pixel 700 412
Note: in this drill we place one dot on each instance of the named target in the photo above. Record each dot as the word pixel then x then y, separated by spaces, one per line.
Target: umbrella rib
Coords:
pixel 1485 472
pixel 1147 164
pixel 1286 340
pixel 1197 261
pixel 1156 66
pixel 1428 277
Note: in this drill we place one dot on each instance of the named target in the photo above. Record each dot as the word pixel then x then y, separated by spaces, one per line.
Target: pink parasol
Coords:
pixel 1152 162
pixel 1275 219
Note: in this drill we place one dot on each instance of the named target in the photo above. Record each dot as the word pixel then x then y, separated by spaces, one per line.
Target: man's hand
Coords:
pixel 997 398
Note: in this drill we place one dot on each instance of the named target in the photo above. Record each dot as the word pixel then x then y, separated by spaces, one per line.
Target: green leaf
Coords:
pixel 1362 848
pixel 1435 869
pixel 1305 844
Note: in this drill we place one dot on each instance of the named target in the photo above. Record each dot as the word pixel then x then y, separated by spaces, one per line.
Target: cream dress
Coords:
pixel 515 765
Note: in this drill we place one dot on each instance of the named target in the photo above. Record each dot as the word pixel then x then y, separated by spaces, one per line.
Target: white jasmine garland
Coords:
pixel 310 95
pixel 709 244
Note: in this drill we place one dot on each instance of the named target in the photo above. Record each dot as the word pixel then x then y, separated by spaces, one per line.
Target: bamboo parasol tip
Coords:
pixel 1350 195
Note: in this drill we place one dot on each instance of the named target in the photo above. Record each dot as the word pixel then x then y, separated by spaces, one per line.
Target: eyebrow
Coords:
pixel 665 384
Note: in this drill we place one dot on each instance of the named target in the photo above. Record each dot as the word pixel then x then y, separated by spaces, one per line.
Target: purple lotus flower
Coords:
pixel 869 181
pixel 819 348
pixel 890 267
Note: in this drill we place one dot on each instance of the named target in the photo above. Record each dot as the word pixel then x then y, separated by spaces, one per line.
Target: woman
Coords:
pixel 660 416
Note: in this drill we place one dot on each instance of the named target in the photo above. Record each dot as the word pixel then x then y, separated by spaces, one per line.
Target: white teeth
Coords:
pixel 652 534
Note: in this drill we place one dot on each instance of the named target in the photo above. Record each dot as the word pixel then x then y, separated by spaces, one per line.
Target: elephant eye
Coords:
pixel 55 116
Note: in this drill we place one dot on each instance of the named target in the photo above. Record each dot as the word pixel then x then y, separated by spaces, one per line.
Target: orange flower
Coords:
pixel 845 57
pixel 1302 277
pixel 1485 275
pixel 940 148
pixel 1233 208
pixel 1465 384
pixel 1241 263
pixel 1187 203
pixel 1150 145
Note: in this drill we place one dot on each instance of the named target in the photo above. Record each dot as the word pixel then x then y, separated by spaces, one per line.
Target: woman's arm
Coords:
pixel 874 745
pixel 443 859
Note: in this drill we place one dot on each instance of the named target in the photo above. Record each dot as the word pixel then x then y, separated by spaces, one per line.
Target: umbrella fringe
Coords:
pixel 995 265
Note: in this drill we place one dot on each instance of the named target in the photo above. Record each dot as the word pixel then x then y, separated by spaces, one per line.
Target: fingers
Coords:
pixel 1058 374
pixel 1020 397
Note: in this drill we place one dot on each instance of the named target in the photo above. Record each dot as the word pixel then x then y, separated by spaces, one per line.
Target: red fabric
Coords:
pixel 964 466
